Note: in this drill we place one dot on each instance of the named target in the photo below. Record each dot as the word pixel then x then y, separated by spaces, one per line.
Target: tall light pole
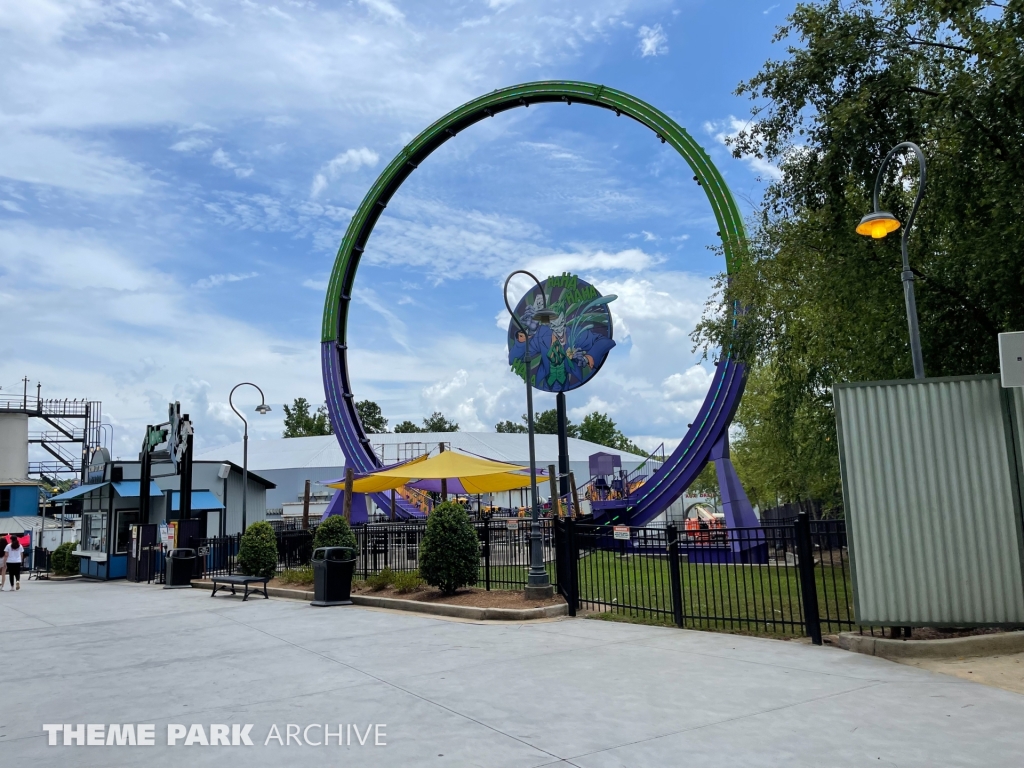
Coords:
pixel 880 223
pixel 538 584
pixel 261 409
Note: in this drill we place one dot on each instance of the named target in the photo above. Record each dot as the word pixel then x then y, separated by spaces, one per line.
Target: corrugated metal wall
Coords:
pixel 931 489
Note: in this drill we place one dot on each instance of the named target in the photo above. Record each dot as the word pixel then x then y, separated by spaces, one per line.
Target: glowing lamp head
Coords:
pixel 878 225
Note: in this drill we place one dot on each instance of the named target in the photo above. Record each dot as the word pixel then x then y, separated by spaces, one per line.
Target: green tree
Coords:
pixel 436 422
pixel 371 417
pixel 824 305
pixel 546 423
pixel 299 421
pixel 509 426
pixel 335 532
pixel 450 552
pixel 257 554
pixel 407 426
pixel 599 428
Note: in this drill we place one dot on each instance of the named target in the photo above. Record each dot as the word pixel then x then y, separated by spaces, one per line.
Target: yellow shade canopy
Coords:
pixel 477 475
pixel 878 224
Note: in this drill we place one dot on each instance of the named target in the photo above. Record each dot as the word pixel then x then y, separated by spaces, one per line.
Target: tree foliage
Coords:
pixel 301 421
pixel 335 532
pixel 824 305
pixel 64 563
pixel 257 554
pixel 371 417
pixel 435 422
pixel 450 552
pixel 509 427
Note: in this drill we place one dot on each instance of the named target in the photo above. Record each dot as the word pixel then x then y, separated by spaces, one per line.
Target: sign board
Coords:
pixel 512 525
pixel 621 532
pixel 565 353
pixel 166 536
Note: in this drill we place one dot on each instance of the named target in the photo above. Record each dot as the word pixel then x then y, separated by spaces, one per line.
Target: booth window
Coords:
pixel 94 532
pixel 5 499
pixel 126 518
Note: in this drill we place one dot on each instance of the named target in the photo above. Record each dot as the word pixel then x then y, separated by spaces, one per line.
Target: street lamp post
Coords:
pixel 538 584
pixel 880 223
pixel 261 409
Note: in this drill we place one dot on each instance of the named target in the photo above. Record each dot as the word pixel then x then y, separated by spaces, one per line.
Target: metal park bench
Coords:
pixel 240 581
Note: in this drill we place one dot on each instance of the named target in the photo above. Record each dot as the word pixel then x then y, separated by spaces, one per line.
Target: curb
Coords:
pixel 978 645
pixel 417 606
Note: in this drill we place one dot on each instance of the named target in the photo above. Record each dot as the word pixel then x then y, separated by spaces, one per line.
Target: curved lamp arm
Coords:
pixel 509 308
pixel 920 188
pixel 263 399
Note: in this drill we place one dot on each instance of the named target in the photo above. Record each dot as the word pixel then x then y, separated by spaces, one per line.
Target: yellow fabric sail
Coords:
pixel 477 475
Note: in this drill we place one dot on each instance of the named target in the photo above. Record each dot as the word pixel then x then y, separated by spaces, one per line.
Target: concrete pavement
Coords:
pixel 578 692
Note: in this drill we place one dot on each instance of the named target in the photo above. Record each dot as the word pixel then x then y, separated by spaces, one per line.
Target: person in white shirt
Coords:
pixel 14 552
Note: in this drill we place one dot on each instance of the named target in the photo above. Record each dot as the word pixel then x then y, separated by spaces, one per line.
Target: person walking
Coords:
pixel 14 552
pixel 3 566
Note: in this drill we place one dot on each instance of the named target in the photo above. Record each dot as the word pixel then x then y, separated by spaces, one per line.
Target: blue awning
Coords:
pixel 131 488
pixel 74 493
pixel 201 500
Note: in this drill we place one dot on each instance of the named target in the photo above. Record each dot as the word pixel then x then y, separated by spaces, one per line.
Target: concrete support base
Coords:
pixel 539 593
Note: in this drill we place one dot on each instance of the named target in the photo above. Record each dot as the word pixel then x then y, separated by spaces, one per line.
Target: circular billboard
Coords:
pixel 567 352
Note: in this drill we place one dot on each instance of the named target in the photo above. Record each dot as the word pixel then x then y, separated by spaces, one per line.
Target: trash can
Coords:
pixel 180 565
pixel 332 575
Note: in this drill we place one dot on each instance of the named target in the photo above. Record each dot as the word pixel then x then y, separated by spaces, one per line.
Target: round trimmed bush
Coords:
pixel 63 562
pixel 257 555
pixel 335 532
pixel 450 552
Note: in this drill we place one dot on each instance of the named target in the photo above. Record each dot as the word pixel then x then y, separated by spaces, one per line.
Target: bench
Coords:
pixel 240 581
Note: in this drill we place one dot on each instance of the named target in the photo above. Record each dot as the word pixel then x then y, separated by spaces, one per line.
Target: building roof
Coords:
pixel 19 524
pixel 293 452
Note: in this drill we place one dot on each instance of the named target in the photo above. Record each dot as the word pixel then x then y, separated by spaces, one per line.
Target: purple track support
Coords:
pixel 354 443
pixel 735 504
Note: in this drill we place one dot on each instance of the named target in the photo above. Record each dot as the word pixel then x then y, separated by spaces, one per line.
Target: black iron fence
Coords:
pixel 787 579
pixel 504 550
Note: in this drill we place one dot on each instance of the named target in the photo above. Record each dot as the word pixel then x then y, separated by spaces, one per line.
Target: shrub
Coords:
pixel 335 532
pixel 381 580
pixel 450 553
pixel 257 555
pixel 407 582
pixel 63 562
pixel 300 575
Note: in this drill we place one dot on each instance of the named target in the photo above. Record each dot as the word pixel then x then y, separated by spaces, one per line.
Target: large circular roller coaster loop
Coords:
pixel 712 421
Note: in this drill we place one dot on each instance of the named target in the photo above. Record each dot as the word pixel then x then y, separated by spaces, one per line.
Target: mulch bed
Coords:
pixel 946 633
pixel 478 598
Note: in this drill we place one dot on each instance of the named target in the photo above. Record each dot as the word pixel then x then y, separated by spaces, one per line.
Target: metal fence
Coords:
pixel 787 579
pixel 504 550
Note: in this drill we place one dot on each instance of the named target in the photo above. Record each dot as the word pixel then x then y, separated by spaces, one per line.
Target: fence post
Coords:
pixel 808 587
pixel 487 553
pixel 675 580
pixel 571 571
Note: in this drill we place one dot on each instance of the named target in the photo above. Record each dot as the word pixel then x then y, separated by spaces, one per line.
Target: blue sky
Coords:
pixel 176 177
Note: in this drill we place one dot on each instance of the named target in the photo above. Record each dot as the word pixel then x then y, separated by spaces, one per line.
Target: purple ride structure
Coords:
pixel 707 438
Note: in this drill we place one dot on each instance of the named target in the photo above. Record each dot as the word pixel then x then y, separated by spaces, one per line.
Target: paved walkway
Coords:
pixel 572 692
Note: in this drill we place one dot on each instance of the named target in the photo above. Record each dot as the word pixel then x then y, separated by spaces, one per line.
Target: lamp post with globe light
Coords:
pixel 538 584
pixel 261 409
pixel 878 224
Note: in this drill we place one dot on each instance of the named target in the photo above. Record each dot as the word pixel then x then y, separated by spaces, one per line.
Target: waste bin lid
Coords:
pixel 180 554
pixel 334 553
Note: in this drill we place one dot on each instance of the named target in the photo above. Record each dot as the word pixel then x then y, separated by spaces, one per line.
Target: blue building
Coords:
pixel 110 505
pixel 19 498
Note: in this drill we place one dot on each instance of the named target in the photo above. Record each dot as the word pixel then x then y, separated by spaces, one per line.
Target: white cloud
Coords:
pixel 348 161
pixel 10 205
pixel 221 159
pixel 723 130
pixel 191 144
pixel 385 10
pixel 653 41
pixel 214 281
